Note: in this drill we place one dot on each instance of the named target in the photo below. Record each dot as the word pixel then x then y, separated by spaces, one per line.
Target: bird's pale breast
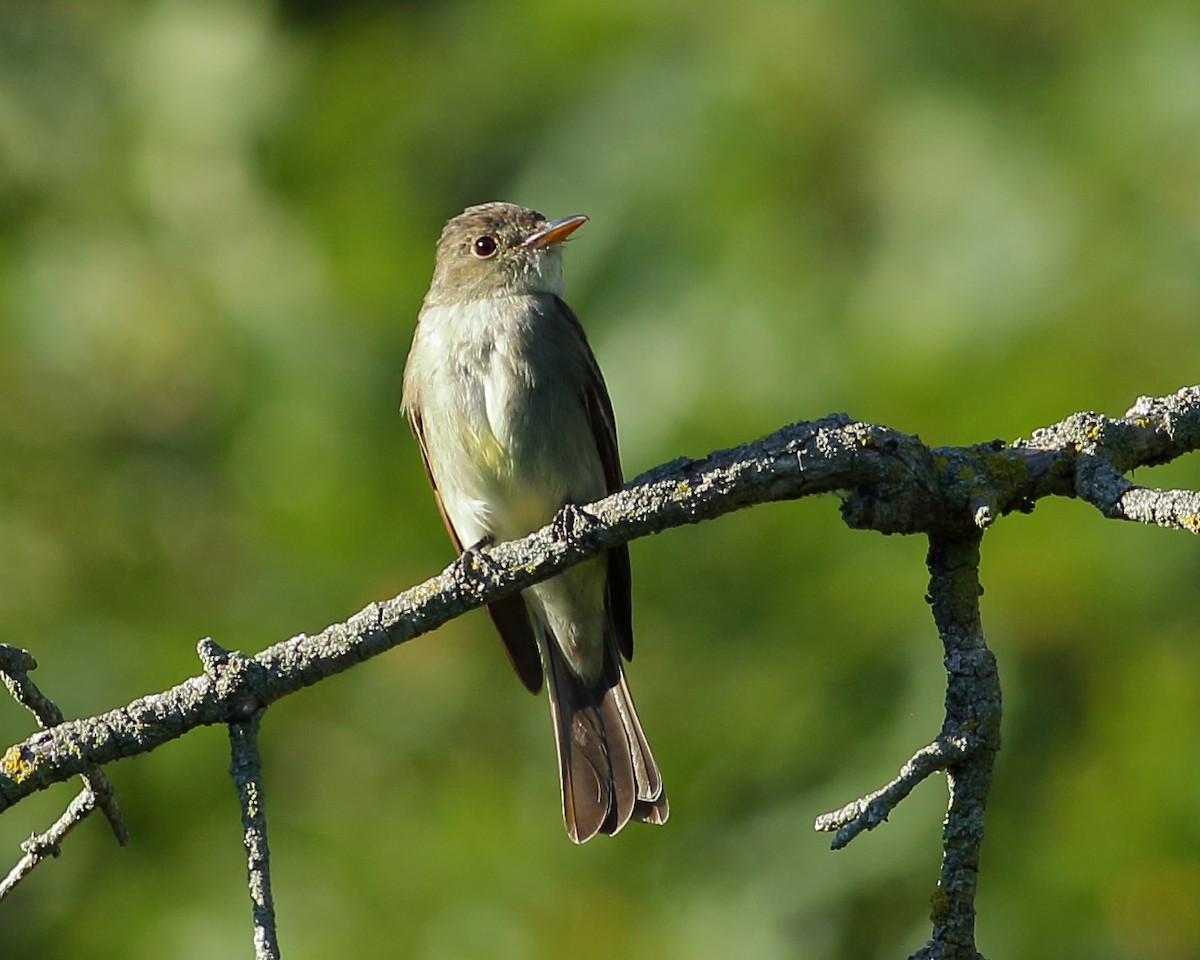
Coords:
pixel 508 436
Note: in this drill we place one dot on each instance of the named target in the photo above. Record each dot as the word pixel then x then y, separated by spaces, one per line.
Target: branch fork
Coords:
pixel 893 483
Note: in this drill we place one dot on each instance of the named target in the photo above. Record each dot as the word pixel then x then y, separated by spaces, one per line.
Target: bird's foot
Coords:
pixel 473 564
pixel 572 522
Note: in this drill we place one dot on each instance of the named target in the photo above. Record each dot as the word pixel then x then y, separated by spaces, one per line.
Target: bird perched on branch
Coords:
pixel 514 422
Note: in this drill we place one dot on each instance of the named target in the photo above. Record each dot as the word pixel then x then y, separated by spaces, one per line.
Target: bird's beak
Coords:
pixel 555 231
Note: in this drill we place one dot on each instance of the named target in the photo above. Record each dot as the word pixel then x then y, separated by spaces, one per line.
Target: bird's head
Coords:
pixel 497 250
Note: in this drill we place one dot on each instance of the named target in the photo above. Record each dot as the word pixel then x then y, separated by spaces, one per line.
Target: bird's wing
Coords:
pixel 604 429
pixel 509 615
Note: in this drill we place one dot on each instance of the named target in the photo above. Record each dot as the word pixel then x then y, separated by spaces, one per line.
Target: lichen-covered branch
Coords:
pixel 893 483
pixel 43 846
pixel 868 812
pixel 246 770
pixel 964 750
pixel 972 720
pixel 1153 431
pixel 97 792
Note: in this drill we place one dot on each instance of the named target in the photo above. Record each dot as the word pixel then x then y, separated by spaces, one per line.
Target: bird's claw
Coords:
pixel 472 564
pixel 571 522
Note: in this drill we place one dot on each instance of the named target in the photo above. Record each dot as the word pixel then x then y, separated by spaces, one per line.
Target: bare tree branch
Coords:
pixel 892 483
pixel 965 750
pixel 1153 431
pixel 868 812
pixel 97 792
pixel 246 770
pixel 41 846
pixel 972 720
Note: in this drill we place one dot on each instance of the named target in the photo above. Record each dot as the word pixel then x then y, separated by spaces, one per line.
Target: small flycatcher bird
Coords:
pixel 514 421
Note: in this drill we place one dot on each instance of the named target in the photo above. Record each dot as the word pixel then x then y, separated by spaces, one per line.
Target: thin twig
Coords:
pixel 867 812
pixel 45 845
pixel 246 770
pixel 15 665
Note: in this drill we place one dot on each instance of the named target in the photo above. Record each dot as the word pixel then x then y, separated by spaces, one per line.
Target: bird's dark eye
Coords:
pixel 484 247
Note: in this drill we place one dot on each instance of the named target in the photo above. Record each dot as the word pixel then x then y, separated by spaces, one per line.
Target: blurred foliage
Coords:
pixel 963 220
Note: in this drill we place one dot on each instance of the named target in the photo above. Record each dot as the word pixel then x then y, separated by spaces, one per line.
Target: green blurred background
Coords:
pixel 964 220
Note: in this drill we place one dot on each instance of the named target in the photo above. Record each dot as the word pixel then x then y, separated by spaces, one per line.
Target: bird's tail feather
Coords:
pixel 608 773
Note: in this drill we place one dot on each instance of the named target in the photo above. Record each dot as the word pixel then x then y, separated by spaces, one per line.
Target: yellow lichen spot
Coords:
pixel 1092 432
pixel 1142 422
pixel 683 489
pixel 18 763
pixel 1191 523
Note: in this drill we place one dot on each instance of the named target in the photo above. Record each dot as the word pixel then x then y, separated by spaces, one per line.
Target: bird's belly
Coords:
pixel 519 444
pixel 506 397
pixel 516 460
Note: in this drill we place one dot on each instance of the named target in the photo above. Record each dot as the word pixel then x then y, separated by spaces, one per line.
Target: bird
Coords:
pixel 514 422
